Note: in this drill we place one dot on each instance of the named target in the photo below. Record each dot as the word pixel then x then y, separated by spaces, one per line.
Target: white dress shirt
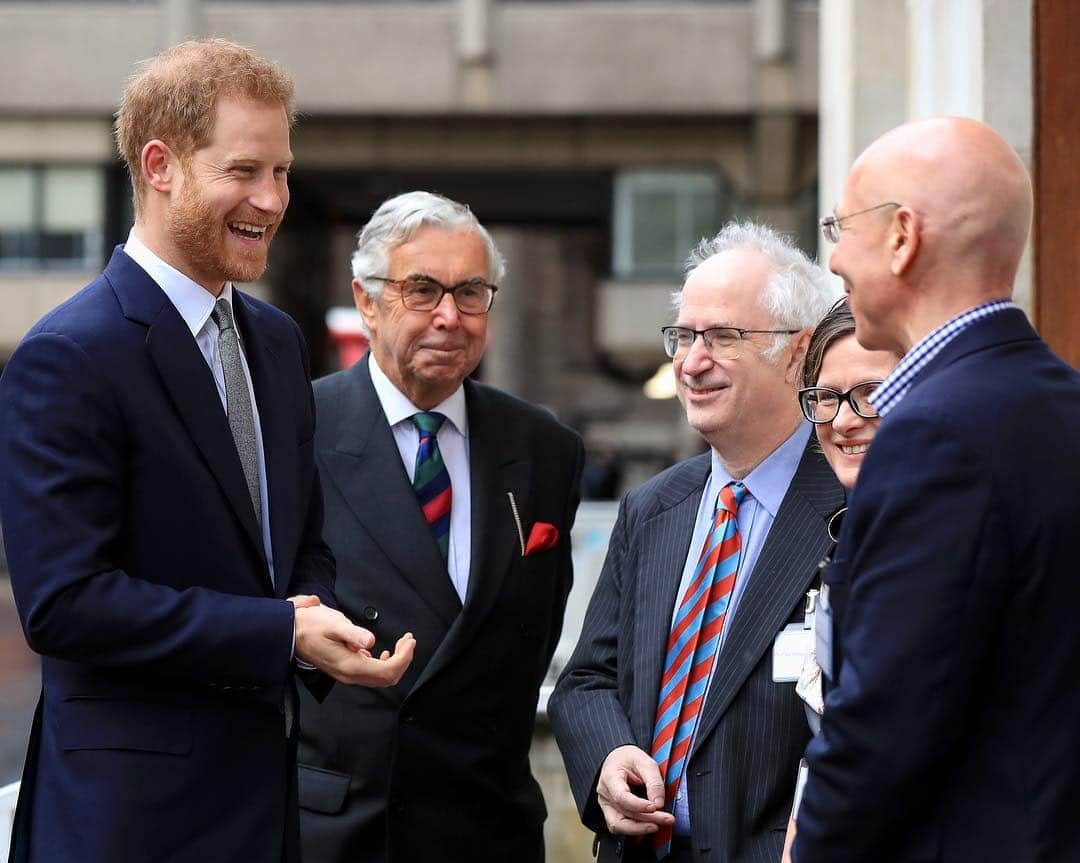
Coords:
pixel 453 439
pixel 195 303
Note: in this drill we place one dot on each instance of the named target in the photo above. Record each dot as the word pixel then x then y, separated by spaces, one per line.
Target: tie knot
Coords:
pixel 427 422
pixel 222 314
pixel 731 495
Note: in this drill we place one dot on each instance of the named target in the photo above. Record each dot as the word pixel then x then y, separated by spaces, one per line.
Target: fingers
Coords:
pixel 625 811
pixel 356 638
pixel 649 775
pixel 387 670
pixel 620 825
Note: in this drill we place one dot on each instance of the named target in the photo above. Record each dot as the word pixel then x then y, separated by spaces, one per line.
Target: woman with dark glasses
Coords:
pixel 839 377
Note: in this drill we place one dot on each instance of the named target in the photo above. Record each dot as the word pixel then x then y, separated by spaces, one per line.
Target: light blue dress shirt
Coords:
pixel 766 485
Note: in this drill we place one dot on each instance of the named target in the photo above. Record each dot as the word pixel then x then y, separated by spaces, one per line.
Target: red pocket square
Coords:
pixel 542 537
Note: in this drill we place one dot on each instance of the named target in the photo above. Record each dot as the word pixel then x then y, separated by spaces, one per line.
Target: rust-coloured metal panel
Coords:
pixel 1056 167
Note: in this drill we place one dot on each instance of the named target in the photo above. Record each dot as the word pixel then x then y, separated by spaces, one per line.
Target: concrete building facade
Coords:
pixel 600 140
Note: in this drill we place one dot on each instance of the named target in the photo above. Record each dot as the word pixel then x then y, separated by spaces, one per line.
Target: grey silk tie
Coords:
pixel 242 423
pixel 238 399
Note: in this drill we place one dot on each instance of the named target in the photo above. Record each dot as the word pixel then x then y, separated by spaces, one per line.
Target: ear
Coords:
pixel 799 343
pixel 365 304
pixel 159 166
pixel 904 240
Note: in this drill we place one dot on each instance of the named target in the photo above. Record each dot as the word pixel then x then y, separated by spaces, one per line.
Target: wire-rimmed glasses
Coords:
pixel 830 225
pixel 722 343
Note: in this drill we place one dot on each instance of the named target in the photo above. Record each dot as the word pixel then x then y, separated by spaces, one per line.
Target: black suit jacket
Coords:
pixel 952 732
pixel 741 771
pixel 436 768
pixel 140 577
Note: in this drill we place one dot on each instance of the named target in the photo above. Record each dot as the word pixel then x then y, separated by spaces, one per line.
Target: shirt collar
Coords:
pixel 769 481
pixel 192 300
pixel 896 385
pixel 398 408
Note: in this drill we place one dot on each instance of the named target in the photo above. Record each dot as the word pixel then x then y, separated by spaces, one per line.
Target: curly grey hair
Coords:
pixel 799 292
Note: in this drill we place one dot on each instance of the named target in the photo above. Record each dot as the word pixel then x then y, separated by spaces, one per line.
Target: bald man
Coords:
pixel 952 722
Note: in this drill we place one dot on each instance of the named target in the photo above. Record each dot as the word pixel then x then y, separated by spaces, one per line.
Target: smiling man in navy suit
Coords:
pixel 161 507
pixel 950 733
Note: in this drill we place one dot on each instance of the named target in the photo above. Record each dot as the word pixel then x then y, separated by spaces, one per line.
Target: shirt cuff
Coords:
pixel 303 666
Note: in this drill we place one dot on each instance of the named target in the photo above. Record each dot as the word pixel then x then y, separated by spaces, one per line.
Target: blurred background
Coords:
pixel 599 141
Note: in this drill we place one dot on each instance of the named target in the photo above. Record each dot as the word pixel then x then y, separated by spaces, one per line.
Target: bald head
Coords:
pixel 933 221
pixel 969 187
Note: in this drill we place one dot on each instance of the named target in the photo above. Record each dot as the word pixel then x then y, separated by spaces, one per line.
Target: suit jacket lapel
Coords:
pixel 279 446
pixel 365 467
pixel 784 570
pixel 664 543
pixel 188 382
pixel 495 467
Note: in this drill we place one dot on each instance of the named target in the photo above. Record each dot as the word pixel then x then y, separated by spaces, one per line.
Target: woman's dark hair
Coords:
pixel 837 323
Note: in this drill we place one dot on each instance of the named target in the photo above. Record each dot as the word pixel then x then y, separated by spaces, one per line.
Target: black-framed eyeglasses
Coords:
pixel 423 294
pixel 822 404
pixel 830 225
pixel 722 343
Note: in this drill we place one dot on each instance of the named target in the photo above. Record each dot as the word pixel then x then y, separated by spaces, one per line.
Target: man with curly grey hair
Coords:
pixel 673 730
pixel 448 507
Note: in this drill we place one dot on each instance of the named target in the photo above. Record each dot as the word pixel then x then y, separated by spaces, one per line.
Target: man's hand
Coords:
pixel 789 840
pixel 624 811
pixel 327 639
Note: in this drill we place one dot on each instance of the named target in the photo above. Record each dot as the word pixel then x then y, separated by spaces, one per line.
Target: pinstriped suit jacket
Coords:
pixel 741 772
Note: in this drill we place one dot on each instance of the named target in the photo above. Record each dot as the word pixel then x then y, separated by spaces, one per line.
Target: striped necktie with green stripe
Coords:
pixel 431 479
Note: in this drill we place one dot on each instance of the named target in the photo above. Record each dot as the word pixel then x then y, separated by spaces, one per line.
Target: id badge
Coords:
pixel 824 633
pixel 790 649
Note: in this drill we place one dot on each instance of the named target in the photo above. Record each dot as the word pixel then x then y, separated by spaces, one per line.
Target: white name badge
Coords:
pixel 790 649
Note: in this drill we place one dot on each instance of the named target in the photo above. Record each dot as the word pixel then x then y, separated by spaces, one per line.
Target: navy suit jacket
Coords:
pixel 139 575
pixel 437 767
pixel 741 770
pixel 952 733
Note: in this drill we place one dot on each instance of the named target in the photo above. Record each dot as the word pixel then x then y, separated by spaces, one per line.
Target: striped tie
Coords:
pixel 431 480
pixel 691 648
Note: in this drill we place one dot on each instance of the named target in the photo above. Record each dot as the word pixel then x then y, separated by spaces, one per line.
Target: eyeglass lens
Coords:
pixel 822 405
pixel 722 343
pixel 423 295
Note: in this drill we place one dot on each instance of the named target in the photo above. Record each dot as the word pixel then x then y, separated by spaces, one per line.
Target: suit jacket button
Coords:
pixel 409 718
pixel 371 613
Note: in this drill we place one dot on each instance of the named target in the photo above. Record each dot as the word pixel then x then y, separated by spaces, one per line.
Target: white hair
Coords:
pixel 398 219
pixel 799 292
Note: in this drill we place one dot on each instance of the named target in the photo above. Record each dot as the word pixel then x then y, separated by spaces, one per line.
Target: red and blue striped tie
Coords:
pixel 431 480
pixel 691 648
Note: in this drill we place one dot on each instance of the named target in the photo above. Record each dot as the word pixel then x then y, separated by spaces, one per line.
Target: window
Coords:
pixel 659 216
pixel 51 217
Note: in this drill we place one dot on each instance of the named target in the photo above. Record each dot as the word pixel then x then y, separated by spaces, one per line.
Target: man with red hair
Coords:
pixel 161 505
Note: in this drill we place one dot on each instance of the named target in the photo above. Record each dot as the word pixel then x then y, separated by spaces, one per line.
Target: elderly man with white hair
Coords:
pixel 679 743
pixel 448 507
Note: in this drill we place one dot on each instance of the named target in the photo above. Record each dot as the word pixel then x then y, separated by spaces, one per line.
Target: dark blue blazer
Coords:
pixel 953 733
pixel 139 575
